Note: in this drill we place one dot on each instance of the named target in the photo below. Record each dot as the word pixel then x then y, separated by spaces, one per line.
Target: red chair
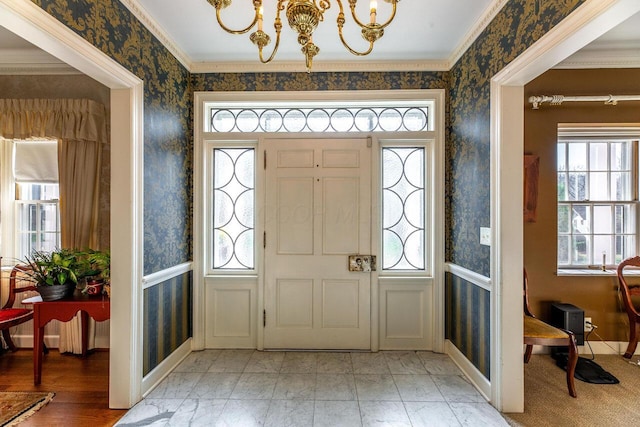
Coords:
pixel 628 292
pixel 11 316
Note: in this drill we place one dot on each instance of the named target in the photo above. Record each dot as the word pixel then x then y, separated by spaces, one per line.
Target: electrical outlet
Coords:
pixel 587 324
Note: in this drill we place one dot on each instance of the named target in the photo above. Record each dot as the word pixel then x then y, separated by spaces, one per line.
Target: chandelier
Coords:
pixel 304 16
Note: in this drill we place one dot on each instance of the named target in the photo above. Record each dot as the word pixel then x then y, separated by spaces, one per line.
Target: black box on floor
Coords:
pixel 569 317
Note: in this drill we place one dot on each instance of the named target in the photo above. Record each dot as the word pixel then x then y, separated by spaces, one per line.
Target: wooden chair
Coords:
pixel 627 292
pixel 537 332
pixel 11 316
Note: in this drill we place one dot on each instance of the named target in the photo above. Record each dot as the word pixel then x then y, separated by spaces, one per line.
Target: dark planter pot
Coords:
pixel 53 293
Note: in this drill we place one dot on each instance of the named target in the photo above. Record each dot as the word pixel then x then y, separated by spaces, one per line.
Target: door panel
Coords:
pixel 318 208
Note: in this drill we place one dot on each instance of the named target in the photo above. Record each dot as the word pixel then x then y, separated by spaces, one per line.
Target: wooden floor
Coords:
pixel 81 387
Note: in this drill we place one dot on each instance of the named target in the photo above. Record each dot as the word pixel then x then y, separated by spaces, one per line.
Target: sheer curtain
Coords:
pixel 79 125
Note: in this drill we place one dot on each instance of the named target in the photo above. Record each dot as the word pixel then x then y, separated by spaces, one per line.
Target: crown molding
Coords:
pixel 320 66
pixel 155 29
pixel 32 62
pixel 601 58
pixel 485 19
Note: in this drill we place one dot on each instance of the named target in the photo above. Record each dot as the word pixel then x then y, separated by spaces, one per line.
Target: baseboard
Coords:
pixel 153 378
pixel 472 373
pixel 52 341
pixel 598 347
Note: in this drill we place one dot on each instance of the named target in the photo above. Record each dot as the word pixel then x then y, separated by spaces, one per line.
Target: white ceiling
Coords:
pixel 426 31
pixel 426 35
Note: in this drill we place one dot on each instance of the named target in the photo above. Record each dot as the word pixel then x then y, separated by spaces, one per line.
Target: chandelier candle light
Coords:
pixel 303 17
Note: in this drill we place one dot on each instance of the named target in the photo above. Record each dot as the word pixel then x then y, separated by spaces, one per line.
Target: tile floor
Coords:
pixel 252 388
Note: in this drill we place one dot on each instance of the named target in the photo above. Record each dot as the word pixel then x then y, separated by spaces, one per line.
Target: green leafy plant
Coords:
pixel 54 268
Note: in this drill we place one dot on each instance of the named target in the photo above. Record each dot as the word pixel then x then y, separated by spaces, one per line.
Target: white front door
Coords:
pixel 318 212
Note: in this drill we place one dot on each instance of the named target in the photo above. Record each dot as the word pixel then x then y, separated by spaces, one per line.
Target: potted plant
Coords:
pixel 96 271
pixel 55 273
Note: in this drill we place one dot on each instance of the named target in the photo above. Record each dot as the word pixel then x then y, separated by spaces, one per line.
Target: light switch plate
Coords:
pixel 485 236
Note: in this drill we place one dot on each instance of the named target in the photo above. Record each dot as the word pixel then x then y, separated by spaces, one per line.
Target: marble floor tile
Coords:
pixel 457 389
pixel 335 387
pixel 384 414
pixel 290 413
pixel 215 385
pixel 254 386
pixel 231 361
pixel 245 413
pixel 376 387
pixel 198 361
pixel 369 363
pixel 438 364
pixel 336 414
pixel 478 415
pixel 417 388
pixel 265 361
pixel 404 362
pixel 295 386
pixel 299 363
pixel 334 363
pixel 176 385
pixel 300 389
pixel 197 413
pixel 150 412
pixel 431 414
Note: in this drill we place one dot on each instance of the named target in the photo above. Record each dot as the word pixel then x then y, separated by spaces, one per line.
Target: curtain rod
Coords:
pixel 559 99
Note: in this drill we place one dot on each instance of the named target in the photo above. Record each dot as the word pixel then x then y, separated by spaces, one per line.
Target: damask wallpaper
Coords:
pixel 516 27
pixel 109 26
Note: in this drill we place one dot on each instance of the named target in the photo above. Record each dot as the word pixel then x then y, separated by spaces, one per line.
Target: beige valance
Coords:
pixel 66 119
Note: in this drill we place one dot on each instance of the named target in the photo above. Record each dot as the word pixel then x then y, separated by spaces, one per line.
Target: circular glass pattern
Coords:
pixel 223 121
pixel 415 119
pixel 366 120
pixel 294 121
pixel 270 120
pixel 342 120
pixel 247 121
pixel 390 119
pixel 318 120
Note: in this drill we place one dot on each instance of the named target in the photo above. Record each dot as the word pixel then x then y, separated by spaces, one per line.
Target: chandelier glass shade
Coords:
pixel 303 17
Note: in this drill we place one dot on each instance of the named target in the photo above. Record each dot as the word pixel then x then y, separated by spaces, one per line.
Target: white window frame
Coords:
pixel 9 206
pixel 602 132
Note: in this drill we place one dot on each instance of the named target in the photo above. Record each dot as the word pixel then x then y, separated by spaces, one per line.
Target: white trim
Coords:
pixel 160 372
pixel 248 98
pixel 154 28
pixel 153 279
pixel 479 381
pixel 32 23
pixel 601 58
pixel 589 21
pixel 472 277
pixel 485 19
pixel 319 66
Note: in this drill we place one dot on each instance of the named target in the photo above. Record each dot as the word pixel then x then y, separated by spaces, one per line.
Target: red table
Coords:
pixel 43 312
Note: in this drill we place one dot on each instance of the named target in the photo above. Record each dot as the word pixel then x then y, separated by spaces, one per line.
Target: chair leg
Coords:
pixel 571 365
pixel 633 338
pixel 8 340
pixel 527 353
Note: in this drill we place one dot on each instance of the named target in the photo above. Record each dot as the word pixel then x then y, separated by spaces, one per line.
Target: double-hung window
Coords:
pixel 597 173
pixel 30 197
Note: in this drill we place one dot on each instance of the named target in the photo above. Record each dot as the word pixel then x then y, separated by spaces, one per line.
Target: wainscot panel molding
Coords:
pixel 167 274
pixel 153 378
pixel 471 372
pixel 233 321
pixel 405 313
pixel 470 276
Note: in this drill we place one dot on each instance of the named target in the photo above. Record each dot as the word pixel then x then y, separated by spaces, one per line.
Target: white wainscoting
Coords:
pixel 406 313
pixel 231 311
